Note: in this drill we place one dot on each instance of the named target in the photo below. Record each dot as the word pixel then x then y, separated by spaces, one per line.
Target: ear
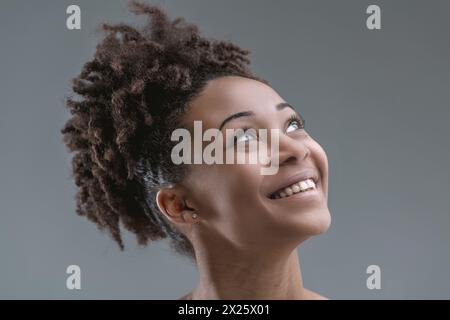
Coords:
pixel 171 203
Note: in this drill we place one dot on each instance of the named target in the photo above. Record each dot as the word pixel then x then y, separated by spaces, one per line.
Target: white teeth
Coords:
pixel 310 183
pixel 303 185
pixel 296 188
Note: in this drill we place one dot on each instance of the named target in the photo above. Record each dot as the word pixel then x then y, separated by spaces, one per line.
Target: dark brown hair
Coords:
pixel 131 96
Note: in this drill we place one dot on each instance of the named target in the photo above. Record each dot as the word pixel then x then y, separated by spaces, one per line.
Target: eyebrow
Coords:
pixel 278 107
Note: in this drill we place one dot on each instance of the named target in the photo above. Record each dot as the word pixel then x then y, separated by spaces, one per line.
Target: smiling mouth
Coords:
pixel 304 185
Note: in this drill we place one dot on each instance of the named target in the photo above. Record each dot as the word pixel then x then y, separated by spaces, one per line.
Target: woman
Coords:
pixel 240 227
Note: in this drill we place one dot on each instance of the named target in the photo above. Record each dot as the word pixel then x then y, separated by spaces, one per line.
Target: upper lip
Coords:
pixel 300 176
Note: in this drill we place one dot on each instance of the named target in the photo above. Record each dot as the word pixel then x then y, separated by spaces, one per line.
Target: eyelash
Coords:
pixel 298 119
pixel 292 118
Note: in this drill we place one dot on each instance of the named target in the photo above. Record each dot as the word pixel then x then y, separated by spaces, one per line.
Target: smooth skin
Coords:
pixel 246 243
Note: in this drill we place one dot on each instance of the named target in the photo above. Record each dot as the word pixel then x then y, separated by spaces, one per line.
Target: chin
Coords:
pixel 313 223
pixel 323 224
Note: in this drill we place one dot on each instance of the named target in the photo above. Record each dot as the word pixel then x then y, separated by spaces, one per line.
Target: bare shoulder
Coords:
pixel 187 296
pixel 311 295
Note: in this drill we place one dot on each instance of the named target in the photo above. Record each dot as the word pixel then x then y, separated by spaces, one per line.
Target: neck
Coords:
pixel 238 275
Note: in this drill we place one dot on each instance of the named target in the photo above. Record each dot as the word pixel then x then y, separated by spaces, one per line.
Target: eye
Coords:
pixel 244 135
pixel 295 123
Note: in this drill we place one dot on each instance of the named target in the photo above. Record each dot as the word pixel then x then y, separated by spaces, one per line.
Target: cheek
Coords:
pixel 239 185
pixel 231 201
pixel 320 158
pixel 239 204
pixel 225 190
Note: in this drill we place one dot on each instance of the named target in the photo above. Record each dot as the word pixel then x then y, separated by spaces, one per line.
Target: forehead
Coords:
pixel 225 96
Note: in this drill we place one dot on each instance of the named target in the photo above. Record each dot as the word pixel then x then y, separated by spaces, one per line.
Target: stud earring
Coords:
pixel 194 216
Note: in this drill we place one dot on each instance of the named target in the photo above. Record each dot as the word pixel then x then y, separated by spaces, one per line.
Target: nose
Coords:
pixel 291 150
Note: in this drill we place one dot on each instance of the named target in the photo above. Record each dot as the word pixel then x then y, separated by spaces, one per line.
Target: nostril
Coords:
pixel 291 159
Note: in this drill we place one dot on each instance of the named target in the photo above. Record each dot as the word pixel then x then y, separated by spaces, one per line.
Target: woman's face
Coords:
pixel 234 202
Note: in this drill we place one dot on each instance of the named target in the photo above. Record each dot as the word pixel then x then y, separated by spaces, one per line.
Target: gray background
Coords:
pixel 377 101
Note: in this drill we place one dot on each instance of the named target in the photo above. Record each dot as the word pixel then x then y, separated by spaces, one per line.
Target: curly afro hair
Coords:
pixel 130 97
